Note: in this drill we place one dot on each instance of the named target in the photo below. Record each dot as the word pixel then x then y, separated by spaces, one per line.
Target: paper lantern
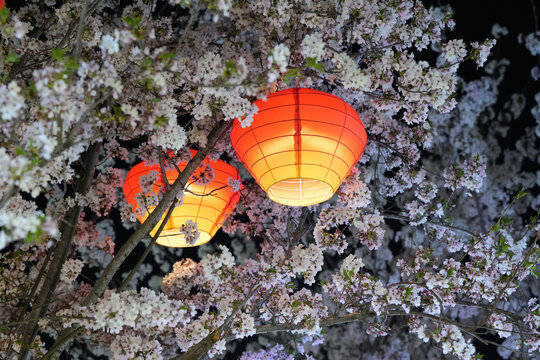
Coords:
pixel 207 205
pixel 301 144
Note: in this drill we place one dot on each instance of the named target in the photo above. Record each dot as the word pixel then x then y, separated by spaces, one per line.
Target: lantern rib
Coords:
pixel 191 217
pixel 338 142
pixel 300 192
pixel 295 181
pixel 256 126
pixel 276 95
pixel 167 235
pixel 293 178
pixel 198 195
pixel 272 191
pixel 326 195
pixel 264 157
pixel 315 151
pixel 199 207
pixel 304 181
pixel 306 104
pixel 320 136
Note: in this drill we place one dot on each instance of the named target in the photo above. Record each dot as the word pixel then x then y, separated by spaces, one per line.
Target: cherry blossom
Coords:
pixel 433 232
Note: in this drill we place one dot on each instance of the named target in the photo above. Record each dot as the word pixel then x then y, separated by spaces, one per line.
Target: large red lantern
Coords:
pixel 206 204
pixel 301 144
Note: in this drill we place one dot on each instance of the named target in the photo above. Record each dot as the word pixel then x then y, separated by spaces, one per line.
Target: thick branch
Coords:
pixel 333 320
pixel 148 248
pixel 67 228
pixel 199 350
pixel 82 19
pixel 7 195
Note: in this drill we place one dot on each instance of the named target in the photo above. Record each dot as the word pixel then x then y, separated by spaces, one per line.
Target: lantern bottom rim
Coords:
pixel 173 238
pixel 301 191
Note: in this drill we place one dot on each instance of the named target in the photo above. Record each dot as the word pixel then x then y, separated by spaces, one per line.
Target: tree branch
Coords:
pixel 149 247
pixel 82 19
pixel 67 228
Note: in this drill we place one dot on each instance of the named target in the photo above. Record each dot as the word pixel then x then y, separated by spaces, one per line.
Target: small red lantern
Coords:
pixel 301 145
pixel 206 204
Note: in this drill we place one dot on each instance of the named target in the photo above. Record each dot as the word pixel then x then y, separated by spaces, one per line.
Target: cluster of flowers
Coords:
pixel 143 311
pixel 128 83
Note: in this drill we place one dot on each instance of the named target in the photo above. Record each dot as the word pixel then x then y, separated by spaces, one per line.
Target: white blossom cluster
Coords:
pixel 270 353
pixel 144 310
pixel 148 198
pixel 482 51
pixel 244 326
pixel 11 102
pixel 307 261
pixel 20 219
pixel 109 44
pixel 20 28
pixel 70 270
pixel 497 31
pixel 129 75
pixel 454 51
pixel 369 226
pixel 301 307
pixel 352 77
pixel 235 184
pixel 278 57
pixel 190 230
pixel 502 325
pixel 351 264
pixel 134 347
pixel 171 136
pixel 328 219
pixel 353 289
pixel 450 338
pixel 215 266
pixel 532 42
pixel 353 192
pixel 313 47
pixel 470 176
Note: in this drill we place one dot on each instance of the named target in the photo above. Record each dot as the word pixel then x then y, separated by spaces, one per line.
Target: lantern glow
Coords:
pixel 206 204
pixel 301 145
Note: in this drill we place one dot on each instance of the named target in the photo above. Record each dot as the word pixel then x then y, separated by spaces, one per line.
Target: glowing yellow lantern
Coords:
pixel 206 204
pixel 301 145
